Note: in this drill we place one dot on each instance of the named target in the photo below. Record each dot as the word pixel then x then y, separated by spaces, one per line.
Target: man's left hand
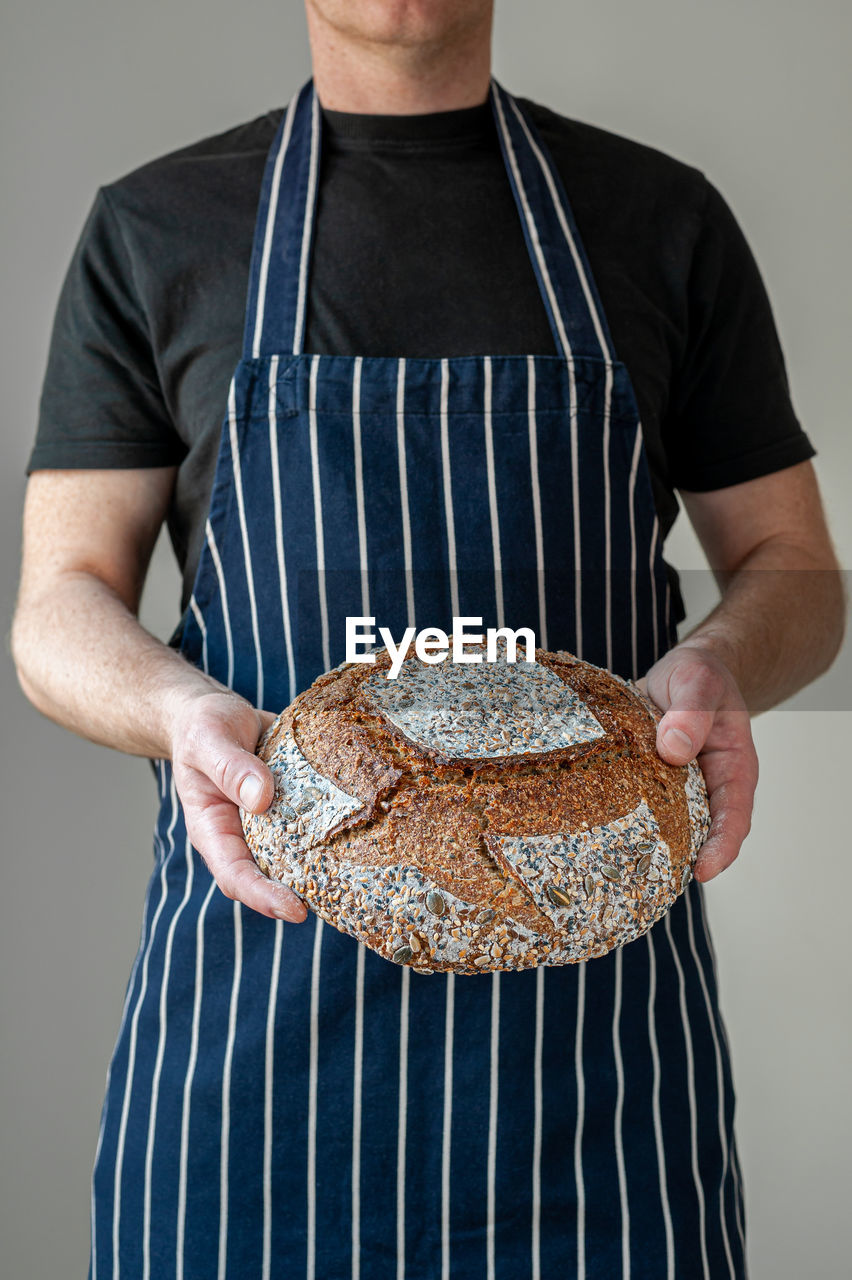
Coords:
pixel 706 718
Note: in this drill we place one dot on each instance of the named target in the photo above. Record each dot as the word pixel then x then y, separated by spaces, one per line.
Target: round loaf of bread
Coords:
pixel 478 816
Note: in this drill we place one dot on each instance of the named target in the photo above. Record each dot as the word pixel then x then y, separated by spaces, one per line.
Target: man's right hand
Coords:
pixel 215 770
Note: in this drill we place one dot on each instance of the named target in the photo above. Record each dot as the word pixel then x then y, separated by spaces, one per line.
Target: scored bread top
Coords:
pixel 434 819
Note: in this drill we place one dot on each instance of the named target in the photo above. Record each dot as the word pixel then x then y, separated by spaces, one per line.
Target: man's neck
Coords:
pixel 371 77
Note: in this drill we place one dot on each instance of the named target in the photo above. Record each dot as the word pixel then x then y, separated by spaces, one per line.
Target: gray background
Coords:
pixel 757 96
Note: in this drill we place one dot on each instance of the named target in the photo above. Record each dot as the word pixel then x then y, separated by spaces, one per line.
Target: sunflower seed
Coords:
pixel 435 903
pixel 589 886
pixel 558 896
pixel 263 864
pixel 414 942
pixel 481 961
pixel 643 864
pixel 611 872
pixel 402 955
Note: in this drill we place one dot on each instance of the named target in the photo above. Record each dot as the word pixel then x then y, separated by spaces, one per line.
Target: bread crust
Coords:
pixel 447 861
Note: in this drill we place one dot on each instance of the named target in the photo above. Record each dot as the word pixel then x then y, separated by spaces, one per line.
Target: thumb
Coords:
pixel 237 772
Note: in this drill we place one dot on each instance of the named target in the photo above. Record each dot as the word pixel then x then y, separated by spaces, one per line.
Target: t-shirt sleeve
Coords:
pixel 730 416
pixel 101 401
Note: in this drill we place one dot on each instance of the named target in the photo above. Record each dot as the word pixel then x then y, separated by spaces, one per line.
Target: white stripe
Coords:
pixel 492 496
pixel 575 508
pixel 124 1012
pixel 448 494
pixel 531 227
pixel 241 509
pixel 619 1111
pixel 563 222
pixel 356 1112
pixel 578 1132
pixel 312 1102
pixel 607 514
pixel 402 1116
pixel 740 1228
pixel 655 1107
pixel 721 1024
pixel 566 346
pixel 226 616
pixel 406 974
pixel 226 1092
pixel 631 506
pixel 537 1108
pixel 202 627
pixel 131 1053
pixel 447 1126
pixel 270 228
pixel 720 1086
pixel 307 226
pixel 403 490
pixel 734 1153
pixel 269 1093
pixel 359 488
pixel 279 526
pixel 492 1119
pixel 536 500
pixel 162 1032
pixel 690 1086
pixel 183 1179
pixel 652 565
pixel 315 475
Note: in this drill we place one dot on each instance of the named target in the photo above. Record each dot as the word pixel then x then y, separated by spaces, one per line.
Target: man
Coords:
pixel 459 308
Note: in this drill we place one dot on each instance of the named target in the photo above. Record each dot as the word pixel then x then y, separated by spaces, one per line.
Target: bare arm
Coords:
pixel 85 661
pixel 778 625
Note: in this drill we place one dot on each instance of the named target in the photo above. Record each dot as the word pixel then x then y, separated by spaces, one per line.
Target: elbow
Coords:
pixel 22 649
pixel 832 618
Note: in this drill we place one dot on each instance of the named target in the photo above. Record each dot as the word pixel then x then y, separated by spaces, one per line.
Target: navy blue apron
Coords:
pixel 282 1102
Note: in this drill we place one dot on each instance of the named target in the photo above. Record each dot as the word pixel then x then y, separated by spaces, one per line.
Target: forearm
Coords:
pixel 85 661
pixel 778 625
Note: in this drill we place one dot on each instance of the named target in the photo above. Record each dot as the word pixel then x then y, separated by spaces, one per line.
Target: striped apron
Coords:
pixel 282 1102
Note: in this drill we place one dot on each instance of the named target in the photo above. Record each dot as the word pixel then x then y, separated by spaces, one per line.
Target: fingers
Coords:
pixel 731 777
pixel 215 771
pixel 214 827
pixel 706 718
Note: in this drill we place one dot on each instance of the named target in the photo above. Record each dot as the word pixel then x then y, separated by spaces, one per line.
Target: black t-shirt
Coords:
pixel 418 252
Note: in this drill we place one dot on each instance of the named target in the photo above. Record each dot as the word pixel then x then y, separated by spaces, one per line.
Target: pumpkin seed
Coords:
pixel 435 903
pixel 643 864
pixel 402 955
pixel 685 878
pixel 485 916
pixel 558 896
pixel 611 872
pixel 646 846
pixel 589 886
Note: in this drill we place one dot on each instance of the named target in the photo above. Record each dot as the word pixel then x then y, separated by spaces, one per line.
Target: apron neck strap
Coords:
pixel 286 215
pixel 577 318
pixel 286 212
